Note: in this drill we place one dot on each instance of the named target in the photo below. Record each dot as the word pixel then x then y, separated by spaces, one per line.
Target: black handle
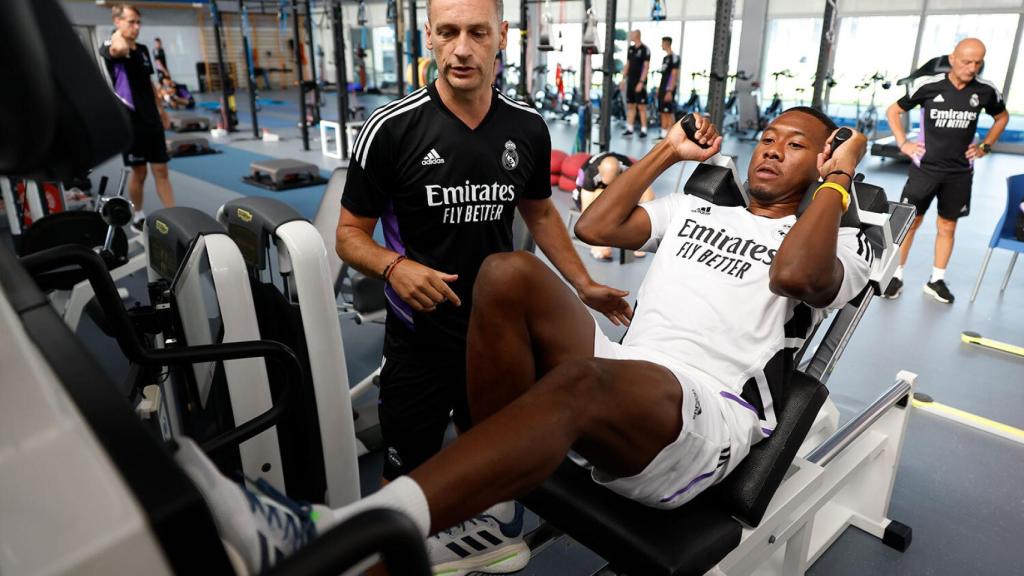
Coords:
pixel 842 136
pixel 689 124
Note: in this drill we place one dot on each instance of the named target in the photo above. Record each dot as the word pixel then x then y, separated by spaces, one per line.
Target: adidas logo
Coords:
pixel 703 210
pixel 939 98
pixel 432 157
pixel 697 411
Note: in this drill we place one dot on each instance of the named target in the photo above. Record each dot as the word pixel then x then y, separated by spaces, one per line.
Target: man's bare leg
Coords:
pixel 909 240
pixel 578 402
pixel 945 232
pixel 643 117
pixel 136 181
pixel 163 184
pixel 630 117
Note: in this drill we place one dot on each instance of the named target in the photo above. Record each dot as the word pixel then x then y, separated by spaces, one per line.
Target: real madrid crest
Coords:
pixel 781 232
pixel 510 158
pixel 974 101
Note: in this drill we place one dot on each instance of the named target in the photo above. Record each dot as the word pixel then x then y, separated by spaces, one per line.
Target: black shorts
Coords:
pixel 666 107
pixel 420 393
pixel 632 95
pixel 952 190
pixel 149 146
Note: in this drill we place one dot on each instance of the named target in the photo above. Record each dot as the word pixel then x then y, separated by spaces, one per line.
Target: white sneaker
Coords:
pixel 282 524
pixel 485 544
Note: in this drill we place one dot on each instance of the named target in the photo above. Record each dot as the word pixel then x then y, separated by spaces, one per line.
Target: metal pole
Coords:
pixel 302 80
pixel 243 21
pixel 312 62
pixel 604 135
pixel 339 66
pixel 583 82
pixel 222 73
pixel 524 94
pixel 399 49
pixel 720 61
pixel 828 40
pixel 414 49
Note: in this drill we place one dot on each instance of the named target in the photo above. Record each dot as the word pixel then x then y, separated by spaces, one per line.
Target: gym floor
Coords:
pixel 958 487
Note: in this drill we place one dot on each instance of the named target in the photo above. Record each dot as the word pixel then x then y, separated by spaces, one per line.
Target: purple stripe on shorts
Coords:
pixel 737 399
pixel 688 486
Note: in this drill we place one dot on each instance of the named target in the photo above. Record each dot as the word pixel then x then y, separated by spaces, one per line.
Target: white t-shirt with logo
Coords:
pixel 705 309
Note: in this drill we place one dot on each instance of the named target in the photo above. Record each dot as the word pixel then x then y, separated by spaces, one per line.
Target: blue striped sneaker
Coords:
pixel 282 524
pixel 490 543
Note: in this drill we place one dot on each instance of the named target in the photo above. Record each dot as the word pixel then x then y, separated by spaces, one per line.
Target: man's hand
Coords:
pixel 668 96
pixel 639 87
pixel 119 47
pixel 846 157
pixel 685 149
pixel 421 287
pixel 916 151
pixel 974 152
pixel 608 301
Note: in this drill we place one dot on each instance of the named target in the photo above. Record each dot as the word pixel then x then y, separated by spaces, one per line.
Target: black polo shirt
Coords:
pixel 949 118
pixel 669 63
pixel 637 56
pixel 445 193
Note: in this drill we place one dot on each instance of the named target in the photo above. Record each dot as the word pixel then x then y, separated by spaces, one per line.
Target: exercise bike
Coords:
pixel 867 121
pixel 693 103
pixel 776 106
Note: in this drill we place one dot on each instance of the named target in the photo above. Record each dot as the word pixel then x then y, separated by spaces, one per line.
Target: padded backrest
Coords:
pixel 748 490
pixel 715 184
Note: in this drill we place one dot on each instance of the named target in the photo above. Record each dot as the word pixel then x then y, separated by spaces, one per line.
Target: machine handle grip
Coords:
pixel 842 136
pixel 689 124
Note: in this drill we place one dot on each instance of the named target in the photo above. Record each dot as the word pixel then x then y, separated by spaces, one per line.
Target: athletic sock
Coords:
pixel 938 274
pixel 139 215
pixel 898 274
pixel 403 494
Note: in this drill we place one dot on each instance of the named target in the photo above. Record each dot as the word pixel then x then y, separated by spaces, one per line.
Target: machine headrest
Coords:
pixel 57 114
pixel 170 231
pixel 716 184
pixel 251 220
pixel 932 67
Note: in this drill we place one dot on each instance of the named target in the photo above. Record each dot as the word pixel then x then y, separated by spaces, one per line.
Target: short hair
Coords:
pixel 118 10
pixel 667 39
pixel 499 5
pixel 156 40
pixel 825 119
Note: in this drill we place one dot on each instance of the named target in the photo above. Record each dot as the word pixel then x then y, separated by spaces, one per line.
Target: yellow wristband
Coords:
pixel 838 188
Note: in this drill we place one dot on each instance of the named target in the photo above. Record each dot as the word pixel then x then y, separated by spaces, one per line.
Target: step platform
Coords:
pixel 188 145
pixel 283 174
pixel 189 123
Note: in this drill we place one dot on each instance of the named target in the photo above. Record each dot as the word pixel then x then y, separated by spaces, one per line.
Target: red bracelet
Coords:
pixel 391 268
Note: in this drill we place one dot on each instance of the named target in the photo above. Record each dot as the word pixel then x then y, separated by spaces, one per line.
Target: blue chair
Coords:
pixel 1003 236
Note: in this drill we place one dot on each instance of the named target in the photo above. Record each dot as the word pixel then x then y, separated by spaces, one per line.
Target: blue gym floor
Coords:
pixel 959 488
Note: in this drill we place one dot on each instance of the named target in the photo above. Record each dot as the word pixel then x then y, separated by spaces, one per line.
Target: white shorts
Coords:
pixel 710 444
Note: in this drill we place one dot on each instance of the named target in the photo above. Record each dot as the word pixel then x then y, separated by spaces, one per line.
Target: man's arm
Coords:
pixel 549 231
pixel 118 45
pixel 1001 120
pixel 164 118
pixel 806 267
pixel 421 287
pixel 894 115
pixel 614 219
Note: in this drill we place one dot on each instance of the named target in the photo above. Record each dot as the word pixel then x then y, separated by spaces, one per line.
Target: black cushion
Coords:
pixel 714 184
pixel 698 535
pixel 640 540
pixel 748 490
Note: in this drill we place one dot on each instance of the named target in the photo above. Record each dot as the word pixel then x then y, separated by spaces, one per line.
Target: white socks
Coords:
pixel 139 215
pixel 938 274
pixel 898 274
pixel 402 495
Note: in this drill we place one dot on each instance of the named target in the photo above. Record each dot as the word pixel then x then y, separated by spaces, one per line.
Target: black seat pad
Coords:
pixel 698 535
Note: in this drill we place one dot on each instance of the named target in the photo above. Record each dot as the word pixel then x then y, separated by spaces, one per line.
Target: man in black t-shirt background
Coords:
pixel 130 68
pixel 669 85
pixel 634 83
pixel 943 156
pixel 444 170
pixel 160 59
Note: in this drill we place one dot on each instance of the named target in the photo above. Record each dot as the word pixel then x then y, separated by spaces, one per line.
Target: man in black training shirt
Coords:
pixel 634 83
pixel 950 105
pixel 444 170
pixel 668 86
pixel 131 68
pixel 160 59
